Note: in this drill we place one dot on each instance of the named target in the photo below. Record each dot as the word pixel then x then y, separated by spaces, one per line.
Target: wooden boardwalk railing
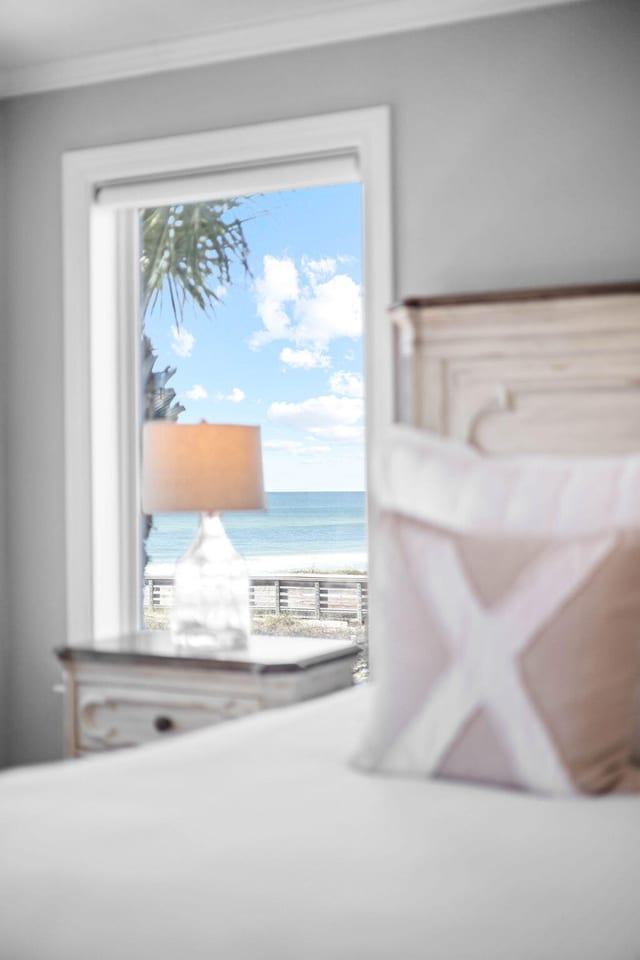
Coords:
pixel 311 595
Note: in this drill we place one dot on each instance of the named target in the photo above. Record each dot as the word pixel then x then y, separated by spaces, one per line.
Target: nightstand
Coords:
pixel 140 688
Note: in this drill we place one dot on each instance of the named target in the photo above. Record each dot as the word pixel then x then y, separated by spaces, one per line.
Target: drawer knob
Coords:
pixel 163 724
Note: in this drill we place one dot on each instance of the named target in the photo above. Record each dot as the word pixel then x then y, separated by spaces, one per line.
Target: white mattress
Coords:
pixel 257 840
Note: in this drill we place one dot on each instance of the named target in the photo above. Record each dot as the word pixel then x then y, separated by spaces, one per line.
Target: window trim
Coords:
pixel 101 450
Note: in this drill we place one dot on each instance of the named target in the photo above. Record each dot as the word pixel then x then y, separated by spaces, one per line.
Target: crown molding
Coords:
pixel 352 21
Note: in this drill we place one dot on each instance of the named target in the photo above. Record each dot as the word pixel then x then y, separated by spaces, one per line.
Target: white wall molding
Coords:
pixel 352 21
pixel 5 398
pixel 100 303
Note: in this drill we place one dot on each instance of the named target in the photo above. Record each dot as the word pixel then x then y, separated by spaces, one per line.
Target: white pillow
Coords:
pixel 512 616
pixel 450 484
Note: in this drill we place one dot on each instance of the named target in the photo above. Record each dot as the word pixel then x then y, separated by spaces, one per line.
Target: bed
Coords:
pixel 261 839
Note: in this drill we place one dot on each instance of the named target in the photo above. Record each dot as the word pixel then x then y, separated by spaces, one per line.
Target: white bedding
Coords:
pixel 257 840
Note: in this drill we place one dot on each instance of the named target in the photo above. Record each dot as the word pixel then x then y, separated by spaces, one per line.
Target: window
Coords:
pixel 277 342
pixel 101 189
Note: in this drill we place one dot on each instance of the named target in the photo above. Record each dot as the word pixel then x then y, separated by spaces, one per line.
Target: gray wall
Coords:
pixel 4 393
pixel 516 162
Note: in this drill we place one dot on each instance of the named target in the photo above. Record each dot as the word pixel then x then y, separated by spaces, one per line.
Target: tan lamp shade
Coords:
pixel 208 467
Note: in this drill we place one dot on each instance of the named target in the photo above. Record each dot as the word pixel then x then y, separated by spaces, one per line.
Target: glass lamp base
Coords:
pixel 211 604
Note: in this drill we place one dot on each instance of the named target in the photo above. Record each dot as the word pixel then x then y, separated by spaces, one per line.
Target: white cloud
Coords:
pixel 197 392
pixel 326 417
pixel 277 286
pixel 339 431
pixel 235 396
pixel 289 446
pixel 329 310
pixel 183 341
pixel 319 269
pixel 316 411
pixel 326 306
pixel 296 447
pixel 348 384
pixel 304 359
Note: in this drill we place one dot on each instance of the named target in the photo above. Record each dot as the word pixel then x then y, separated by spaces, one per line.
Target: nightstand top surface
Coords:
pixel 266 653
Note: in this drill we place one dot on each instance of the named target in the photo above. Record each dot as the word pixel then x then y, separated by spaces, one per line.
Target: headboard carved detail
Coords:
pixel 555 373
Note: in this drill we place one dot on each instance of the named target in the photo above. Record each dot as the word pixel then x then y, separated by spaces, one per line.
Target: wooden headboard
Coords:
pixel 536 371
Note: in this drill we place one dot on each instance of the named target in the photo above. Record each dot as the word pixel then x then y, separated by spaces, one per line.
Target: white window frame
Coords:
pixel 101 339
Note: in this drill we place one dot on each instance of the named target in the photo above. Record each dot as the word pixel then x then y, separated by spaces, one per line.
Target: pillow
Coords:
pixel 511 617
pixel 453 486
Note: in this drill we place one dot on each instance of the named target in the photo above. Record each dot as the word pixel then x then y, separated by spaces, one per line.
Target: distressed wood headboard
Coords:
pixel 537 371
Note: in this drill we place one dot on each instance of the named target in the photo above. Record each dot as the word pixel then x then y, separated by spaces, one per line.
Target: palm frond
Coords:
pixel 189 250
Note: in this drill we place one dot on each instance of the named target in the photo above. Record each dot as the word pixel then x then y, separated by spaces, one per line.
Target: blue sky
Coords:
pixel 284 350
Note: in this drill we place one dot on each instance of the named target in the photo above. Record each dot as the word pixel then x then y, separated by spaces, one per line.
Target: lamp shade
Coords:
pixel 205 466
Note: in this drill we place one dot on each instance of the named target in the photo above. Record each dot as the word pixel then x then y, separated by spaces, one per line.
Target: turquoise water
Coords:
pixel 294 524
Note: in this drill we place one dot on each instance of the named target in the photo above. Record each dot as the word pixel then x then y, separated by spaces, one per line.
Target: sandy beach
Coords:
pixel 286 563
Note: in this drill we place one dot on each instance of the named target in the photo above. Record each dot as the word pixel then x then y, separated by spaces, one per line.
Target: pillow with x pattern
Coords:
pixel 511 646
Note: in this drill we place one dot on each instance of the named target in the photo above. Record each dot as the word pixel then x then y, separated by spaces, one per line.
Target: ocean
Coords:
pixel 298 531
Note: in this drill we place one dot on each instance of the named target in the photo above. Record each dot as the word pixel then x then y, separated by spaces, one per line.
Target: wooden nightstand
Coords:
pixel 140 688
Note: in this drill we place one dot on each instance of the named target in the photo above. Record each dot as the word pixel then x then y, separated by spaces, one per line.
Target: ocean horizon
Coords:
pixel 298 531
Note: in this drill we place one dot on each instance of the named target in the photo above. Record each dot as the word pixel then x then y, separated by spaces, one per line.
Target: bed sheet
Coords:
pixel 256 840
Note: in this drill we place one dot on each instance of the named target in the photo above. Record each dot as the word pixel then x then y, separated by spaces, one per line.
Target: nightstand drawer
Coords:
pixel 140 688
pixel 122 717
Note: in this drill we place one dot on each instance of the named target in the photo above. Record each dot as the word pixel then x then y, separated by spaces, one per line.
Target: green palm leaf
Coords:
pixel 188 251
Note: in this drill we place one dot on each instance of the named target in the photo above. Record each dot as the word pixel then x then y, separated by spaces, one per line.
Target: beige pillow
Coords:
pixel 508 660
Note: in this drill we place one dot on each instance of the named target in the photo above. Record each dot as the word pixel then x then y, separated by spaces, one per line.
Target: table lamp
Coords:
pixel 209 468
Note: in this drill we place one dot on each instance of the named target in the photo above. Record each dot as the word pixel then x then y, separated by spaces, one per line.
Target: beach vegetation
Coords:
pixel 188 251
pixel 186 257
pixel 284 624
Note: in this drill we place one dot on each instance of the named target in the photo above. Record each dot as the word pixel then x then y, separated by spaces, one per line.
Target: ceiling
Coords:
pixel 49 44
